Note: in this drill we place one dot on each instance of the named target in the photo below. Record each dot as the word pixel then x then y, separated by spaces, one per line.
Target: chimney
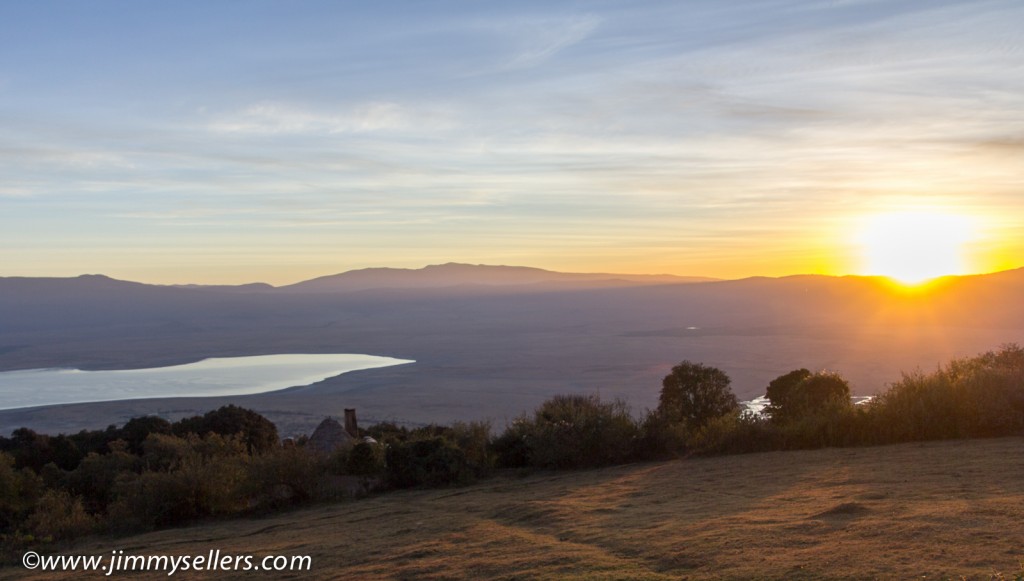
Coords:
pixel 350 423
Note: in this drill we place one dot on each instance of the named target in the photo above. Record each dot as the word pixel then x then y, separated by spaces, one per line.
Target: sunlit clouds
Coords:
pixel 217 143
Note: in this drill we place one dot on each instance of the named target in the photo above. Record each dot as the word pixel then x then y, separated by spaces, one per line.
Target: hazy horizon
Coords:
pixel 682 277
pixel 268 141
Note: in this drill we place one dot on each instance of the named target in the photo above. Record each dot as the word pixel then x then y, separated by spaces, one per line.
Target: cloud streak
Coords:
pixel 541 40
pixel 275 118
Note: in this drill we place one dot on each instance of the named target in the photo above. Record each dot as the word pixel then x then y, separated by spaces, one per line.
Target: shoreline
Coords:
pixel 209 377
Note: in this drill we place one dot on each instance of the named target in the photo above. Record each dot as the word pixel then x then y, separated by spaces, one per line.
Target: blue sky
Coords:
pixel 240 141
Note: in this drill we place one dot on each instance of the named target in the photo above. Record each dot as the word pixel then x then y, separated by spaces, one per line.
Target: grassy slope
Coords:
pixel 934 509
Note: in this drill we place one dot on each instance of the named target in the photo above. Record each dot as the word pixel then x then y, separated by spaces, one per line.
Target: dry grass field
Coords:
pixel 923 511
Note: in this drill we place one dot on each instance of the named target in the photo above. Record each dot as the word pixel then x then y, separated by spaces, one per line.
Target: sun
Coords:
pixel 913 247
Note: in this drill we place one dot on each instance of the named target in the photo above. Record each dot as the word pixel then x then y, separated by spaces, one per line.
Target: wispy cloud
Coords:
pixel 277 118
pixel 539 40
pixel 1003 144
pixel 7 191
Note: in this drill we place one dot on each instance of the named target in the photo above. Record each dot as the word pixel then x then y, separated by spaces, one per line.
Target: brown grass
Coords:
pixel 923 511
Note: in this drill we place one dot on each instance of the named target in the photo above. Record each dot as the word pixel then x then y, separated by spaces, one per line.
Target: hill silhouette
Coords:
pixel 455 274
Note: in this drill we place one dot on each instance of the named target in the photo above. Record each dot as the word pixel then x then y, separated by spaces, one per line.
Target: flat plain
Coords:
pixel 936 510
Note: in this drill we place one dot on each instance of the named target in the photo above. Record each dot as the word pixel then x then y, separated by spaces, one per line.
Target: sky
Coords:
pixel 238 141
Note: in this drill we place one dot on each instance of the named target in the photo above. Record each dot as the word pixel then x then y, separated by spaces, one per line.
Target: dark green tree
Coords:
pixel 30 450
pixel 782 391
pixel 694 393
pixel 812 395
pixel 136 430
pixel 258 433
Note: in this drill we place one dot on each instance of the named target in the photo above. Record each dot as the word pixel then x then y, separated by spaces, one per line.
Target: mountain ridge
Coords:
pixel 455 274
pixel 450 274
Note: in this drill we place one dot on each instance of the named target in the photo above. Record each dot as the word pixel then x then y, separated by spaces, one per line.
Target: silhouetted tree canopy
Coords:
pixel 781 391
pixel 695 393
pixel 29 449
pixel 257 432
pixel 137 430
pixel 796 398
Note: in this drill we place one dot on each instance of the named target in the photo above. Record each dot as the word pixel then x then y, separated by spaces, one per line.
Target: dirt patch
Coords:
pixel 845 510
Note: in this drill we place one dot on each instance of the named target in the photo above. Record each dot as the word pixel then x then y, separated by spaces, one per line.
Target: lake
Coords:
pixel 210 377
pixel 757 405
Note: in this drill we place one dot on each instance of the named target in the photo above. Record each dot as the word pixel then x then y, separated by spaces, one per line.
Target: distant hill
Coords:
pixel 100 302
pixel 455 274
pixel 250 287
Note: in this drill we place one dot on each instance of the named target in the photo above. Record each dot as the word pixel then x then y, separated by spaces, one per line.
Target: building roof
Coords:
pixel 329 436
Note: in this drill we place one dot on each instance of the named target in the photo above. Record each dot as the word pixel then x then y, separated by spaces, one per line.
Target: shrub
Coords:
pixel 206 477
pixel 387 431
pixel 58 515
pixel 829 424
pixel 284 477
pixel 969 397
pixel 660 437
pixel 512 448
pixel 428 462
pixel 735 433
pixel 151 500
pixel 365 459
pixel 571 431
pixel 215 474
pixel 474 439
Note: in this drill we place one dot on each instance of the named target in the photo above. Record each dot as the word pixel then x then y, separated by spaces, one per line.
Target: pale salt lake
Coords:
pixel 210 377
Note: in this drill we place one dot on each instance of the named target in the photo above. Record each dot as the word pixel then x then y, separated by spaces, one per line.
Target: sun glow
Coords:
pixel 913 247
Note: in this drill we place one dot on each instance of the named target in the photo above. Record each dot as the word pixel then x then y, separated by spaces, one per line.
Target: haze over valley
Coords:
pixel 492 342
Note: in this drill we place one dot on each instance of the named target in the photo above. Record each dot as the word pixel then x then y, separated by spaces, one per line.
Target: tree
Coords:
pixel 797 398
pixel 138 429
pixel 258 433
pixel 781 392
pixel 695 394
pixel 19 492
pixel 30 450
